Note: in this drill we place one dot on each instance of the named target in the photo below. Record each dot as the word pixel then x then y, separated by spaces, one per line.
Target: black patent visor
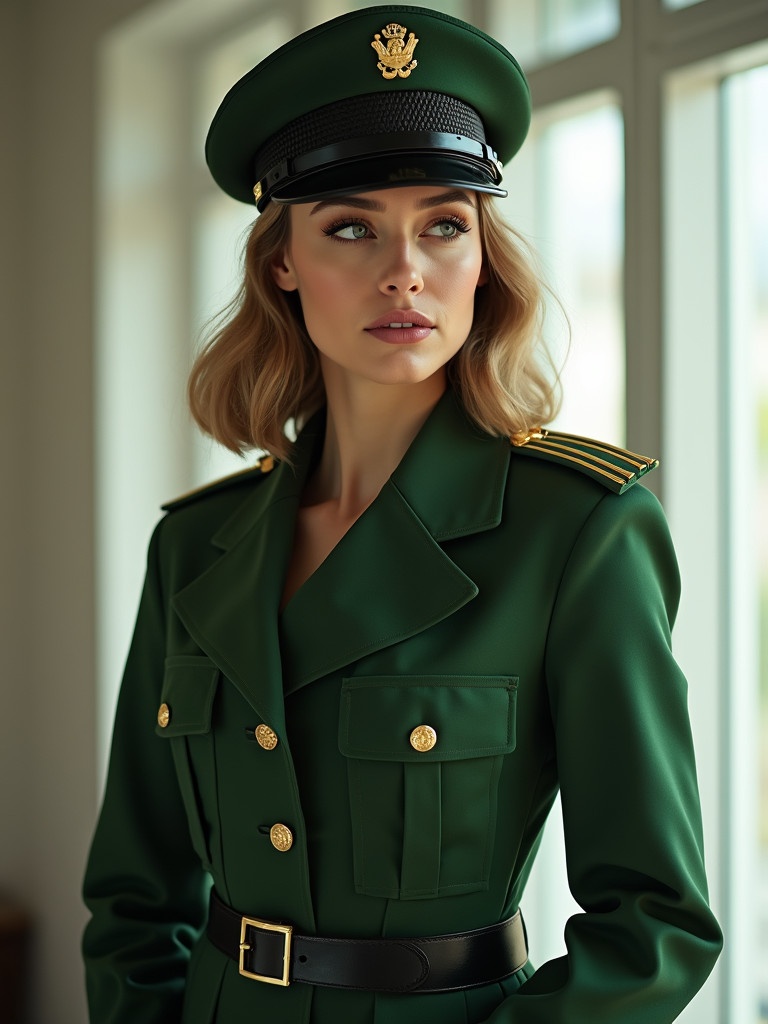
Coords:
pixel 383 161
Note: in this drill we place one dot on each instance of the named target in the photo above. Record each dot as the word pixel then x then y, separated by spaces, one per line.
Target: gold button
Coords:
pixel 281 837
pixel 163 716
pixel 266 737
pixel 423 738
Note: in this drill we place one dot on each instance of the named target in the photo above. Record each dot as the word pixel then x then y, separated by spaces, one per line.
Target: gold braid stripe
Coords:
pixel 626 473
pixel 628 456
pixel 531 446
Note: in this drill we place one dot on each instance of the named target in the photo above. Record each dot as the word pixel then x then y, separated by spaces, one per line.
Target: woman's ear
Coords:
pixel 283 273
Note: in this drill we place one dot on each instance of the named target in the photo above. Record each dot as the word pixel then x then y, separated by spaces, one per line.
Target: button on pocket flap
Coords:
pixel 189 686
pixel 427 718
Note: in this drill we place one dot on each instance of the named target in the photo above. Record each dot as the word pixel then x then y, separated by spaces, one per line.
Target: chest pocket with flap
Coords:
pixel 424 755
pixel 187 696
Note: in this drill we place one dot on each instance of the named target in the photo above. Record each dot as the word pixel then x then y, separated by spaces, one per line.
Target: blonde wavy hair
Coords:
pixel 259 369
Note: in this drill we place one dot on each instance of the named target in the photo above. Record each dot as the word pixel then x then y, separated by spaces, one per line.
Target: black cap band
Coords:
pixel 350 132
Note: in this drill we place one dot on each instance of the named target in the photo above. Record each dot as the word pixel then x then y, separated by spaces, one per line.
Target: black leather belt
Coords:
pixel 271 952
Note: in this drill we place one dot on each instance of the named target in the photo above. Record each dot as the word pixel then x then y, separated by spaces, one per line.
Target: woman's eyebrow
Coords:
pixel 357 201
pixel 455 195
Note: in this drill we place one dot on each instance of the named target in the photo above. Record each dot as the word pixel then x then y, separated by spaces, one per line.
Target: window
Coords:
pixel 567 197
pixel 537 31
pixel 716 376
pixel 745 101
pixel 219 225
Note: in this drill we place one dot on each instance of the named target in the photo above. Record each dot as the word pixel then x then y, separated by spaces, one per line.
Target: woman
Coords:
pixel 378 655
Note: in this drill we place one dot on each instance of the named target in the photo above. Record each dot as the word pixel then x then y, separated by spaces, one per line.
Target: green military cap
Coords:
pixel 376 98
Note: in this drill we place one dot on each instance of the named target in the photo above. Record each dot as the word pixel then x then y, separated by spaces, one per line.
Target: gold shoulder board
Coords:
pixel 264 466
pixel 615 468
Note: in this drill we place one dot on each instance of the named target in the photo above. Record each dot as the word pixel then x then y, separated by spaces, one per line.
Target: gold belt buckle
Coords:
pixel 267 926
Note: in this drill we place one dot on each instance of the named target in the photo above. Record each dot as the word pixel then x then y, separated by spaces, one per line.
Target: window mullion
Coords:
pixel 641 99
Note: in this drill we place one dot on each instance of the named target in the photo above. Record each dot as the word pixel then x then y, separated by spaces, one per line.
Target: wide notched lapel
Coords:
pixel 389 578
pixel 231 610
pixel 386 580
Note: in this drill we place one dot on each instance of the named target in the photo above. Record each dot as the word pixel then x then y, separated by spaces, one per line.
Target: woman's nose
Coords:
pixel 401 273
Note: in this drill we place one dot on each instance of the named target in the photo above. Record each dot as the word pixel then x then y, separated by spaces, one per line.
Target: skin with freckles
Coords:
pixel 387 284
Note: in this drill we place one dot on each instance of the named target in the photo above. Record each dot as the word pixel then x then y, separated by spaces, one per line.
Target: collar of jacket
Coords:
pixel 388 579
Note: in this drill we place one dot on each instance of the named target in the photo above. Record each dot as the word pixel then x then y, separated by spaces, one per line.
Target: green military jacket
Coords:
pixel 506 597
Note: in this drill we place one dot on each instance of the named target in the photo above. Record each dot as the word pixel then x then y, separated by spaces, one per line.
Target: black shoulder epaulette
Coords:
pixel 265 465
pixel 615 468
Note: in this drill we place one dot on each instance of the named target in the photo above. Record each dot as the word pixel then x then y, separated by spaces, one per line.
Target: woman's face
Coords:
pixel 386 279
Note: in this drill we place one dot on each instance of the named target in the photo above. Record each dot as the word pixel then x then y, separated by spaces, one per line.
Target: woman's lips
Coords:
pixel 401 327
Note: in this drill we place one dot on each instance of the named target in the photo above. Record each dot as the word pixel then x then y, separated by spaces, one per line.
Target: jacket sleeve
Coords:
pixel 144 885
pixel 646 939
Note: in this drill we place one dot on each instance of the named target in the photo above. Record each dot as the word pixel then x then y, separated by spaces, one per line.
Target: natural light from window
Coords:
pixel 538 30
pixel 746 103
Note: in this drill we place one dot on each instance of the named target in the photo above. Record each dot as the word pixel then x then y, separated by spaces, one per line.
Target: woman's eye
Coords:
pixel 447 229
pixel 350 232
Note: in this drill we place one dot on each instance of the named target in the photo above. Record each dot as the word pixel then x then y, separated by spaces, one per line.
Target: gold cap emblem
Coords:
pixel 423 738
pixel 396 58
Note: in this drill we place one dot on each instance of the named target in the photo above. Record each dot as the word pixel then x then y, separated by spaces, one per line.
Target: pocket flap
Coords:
pixel 472 716
pixel 189 686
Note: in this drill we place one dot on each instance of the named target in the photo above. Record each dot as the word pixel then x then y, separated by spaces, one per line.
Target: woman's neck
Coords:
pixel 369 428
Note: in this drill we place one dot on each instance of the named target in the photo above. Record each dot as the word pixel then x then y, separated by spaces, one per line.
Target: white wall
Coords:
pixel 47 723
pixel 13 357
